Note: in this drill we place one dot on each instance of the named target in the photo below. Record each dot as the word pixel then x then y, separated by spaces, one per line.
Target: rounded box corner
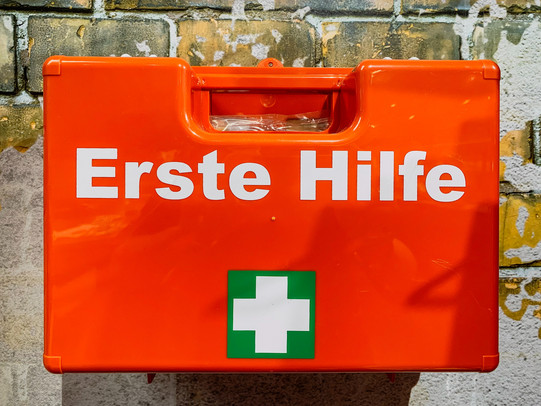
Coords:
pixel 491 70
pixel 490 362
pixel 53 363
pixel 51 66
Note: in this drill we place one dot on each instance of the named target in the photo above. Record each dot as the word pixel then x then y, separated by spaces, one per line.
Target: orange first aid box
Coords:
pixel 270 218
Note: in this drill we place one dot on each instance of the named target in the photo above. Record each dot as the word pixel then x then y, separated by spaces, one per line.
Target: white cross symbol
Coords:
pixel 271 314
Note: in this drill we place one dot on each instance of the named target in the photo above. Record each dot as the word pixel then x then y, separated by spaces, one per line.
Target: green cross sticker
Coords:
pixel 271 314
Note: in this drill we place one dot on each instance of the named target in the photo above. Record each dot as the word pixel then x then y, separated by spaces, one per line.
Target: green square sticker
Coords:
pixel 271 314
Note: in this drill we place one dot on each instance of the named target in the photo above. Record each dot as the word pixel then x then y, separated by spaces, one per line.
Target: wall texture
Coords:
pixel 300 33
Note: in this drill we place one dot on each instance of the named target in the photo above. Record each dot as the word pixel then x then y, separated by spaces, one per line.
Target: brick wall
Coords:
pixel 300 33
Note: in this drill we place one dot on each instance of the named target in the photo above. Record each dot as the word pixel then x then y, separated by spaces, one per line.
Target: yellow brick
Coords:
pixel 452 6
pixel 347 43
pixel 20 126
pixel 241 43
pixel 518 300
pixel 516 142
pixel 520 229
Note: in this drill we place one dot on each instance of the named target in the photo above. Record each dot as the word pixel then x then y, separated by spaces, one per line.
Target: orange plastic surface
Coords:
pixel 402 284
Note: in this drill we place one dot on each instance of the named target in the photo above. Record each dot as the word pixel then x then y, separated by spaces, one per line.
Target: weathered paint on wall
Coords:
pixel 520 229
pixel 520 297
pixel 299 33
pixel 21 125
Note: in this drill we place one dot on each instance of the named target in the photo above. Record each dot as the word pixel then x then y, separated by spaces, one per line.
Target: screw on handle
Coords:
pixel 270 63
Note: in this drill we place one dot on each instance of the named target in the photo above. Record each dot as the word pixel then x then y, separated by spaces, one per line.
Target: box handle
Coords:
pixel 242 91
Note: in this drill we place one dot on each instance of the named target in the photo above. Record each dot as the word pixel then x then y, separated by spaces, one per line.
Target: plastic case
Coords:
pixel 368 244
